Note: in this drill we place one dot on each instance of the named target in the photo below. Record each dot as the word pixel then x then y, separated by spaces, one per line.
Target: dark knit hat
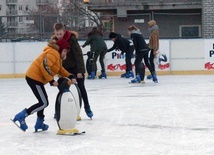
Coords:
pixel 112 35
pixel 63 44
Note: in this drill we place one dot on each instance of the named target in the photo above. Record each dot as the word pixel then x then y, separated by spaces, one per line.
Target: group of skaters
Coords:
pixel 144 52
pixel 63 56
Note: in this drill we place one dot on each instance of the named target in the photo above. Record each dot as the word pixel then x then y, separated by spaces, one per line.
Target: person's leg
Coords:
pixel 139 69
pixel 102 64
pixel 151 60
pixel 39 91
pixel 94 65
pixel 129 54
pixel 146 60
pixel 145 57
pixel 81 85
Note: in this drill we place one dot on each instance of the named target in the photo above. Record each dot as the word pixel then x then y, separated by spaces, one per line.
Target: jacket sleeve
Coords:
pixel 154 42
pixel 76 49
pixel 63 72
pixel 112 48
pixel 45 66
pixel 88 41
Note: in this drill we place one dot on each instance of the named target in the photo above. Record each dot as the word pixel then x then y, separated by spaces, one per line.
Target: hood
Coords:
pixel 136 31
pixel 53 44
pixel 75 33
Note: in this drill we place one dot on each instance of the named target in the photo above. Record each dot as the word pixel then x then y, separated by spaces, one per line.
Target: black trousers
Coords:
pixel 81 85
pixel 151 59
pixel 139 65
pixel 102 54
pixel 129 55
pixel 39 91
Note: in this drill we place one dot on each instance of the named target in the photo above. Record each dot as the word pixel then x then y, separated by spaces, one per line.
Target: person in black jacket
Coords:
pixel 141 52
pixel 126 47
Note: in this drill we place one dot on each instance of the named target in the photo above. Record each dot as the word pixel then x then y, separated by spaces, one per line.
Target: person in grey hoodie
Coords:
pixel 141 53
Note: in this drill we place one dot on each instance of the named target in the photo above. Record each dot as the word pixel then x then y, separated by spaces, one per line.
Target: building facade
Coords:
pixel 15 14
pixel 176 18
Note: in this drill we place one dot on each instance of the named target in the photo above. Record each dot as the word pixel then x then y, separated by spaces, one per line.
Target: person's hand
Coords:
pixel 73 81
pixel 55 83
pixel 117 49
pixel 155 52
pixel 79 75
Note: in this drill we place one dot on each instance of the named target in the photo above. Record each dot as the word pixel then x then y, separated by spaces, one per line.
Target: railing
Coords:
pixel 11 2
pixel 41 2
pixel 12 24
pixel 11 12
pixel 141 1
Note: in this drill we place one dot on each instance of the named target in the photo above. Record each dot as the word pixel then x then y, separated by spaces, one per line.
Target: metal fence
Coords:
pixel 40 27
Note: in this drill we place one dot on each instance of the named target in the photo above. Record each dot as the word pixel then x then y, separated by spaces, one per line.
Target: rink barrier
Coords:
pixel 182 57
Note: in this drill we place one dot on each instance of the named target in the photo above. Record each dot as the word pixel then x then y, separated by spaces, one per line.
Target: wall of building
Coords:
pixel 208 18
pixel 169 23
pixel 178 56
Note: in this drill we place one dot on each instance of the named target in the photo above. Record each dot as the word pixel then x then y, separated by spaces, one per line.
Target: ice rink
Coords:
pixel 173 117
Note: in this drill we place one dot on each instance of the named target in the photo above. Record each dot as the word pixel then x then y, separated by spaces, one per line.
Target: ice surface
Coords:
pixel 173 117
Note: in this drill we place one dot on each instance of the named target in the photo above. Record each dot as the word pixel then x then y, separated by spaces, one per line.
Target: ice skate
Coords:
pixel 154 78
pixel 40 125
pixel 149 77
pixel 88 112
pixel 130 74
pixel 21 118
pixel 92 76
pixel 123 75
pixel 102 75
pixel 136 80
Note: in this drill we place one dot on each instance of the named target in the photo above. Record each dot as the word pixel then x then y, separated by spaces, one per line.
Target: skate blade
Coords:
pixel 17 125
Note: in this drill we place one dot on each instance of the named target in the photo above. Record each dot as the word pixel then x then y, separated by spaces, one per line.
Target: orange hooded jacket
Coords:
pixel 47 65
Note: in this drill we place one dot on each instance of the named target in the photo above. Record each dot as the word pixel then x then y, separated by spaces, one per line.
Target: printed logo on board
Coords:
pixel 210 65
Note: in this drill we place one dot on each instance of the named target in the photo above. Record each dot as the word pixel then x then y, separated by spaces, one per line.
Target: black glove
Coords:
pixel 71 76
pixel 51 82
pixel 117 49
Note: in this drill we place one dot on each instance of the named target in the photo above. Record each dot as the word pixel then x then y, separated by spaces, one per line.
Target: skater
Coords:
pixel 141 52
pixel 42 71
pixel 126 47
pixel 153 43
pixel 99 47
pixel 74 63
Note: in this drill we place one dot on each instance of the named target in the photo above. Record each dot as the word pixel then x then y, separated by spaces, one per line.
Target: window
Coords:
pixel 20 7
pixel 20 19
pixel 0 7
pixel 27 7
pixel 108 25
pixel 188 31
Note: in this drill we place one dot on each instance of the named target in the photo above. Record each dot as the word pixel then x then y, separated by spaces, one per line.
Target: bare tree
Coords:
pixel 44 18
pixel 77 12
pixel 3 29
